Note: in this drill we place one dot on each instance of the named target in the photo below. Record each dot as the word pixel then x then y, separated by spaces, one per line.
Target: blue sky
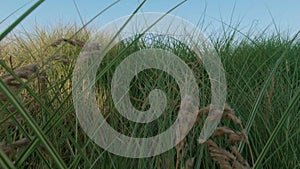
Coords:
pixel 259 13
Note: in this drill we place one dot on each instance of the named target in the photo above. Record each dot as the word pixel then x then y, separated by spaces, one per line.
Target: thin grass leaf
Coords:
pixel 23 16
pixel 5 162
pixel 259 99
pixel 15 11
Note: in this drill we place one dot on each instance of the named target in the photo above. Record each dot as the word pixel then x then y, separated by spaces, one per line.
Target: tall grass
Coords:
pixel 263 75
pixel 263 80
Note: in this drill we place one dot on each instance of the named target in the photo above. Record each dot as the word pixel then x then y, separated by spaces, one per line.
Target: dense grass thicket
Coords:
pixel 39 128
pixel 263 80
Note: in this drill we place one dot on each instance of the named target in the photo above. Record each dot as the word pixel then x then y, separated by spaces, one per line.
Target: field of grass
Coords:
pixel 39 129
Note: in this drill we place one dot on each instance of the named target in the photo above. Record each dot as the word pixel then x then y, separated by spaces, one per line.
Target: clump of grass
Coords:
pixel 258 70
pixel 46 97
pixel 263 85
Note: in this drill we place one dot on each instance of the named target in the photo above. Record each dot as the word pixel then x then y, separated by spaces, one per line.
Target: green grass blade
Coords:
pixel 23 16
pixel 259 99
pixel 5 161
pixel 15 11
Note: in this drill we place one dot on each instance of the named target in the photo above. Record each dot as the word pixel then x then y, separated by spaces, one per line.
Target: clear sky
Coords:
pixel 257 13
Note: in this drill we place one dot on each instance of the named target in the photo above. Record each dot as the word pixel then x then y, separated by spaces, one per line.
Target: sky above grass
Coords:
pixel 241 14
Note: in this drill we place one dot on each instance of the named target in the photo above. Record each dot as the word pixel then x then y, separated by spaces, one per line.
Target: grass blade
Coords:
pixel 15 11
pixel 23 16
pixel 259 99
pixel 4 161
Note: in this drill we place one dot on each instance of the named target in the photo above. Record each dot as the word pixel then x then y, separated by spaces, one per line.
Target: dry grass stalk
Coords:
pixel 58 42
pixel 9 149
pixel 233 137
pixel 226 159
pixel 220 131
pixel 219 155
pixel 240 158
pixel 75 42
pixel 179 155
pixel 189 163
pixel 25 72
pixel 228 113
pixel 11 123
pixel 165 161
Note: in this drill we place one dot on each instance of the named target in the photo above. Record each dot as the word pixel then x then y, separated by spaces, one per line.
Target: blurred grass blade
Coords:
pixel 293 105
pixel 23 16
pixel 4 161
pixel 15 11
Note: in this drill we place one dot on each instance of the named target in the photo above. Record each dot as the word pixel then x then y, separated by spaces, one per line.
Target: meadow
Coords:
pixel 39 128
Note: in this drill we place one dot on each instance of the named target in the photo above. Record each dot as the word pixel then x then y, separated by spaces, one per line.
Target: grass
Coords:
pixel 263 81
